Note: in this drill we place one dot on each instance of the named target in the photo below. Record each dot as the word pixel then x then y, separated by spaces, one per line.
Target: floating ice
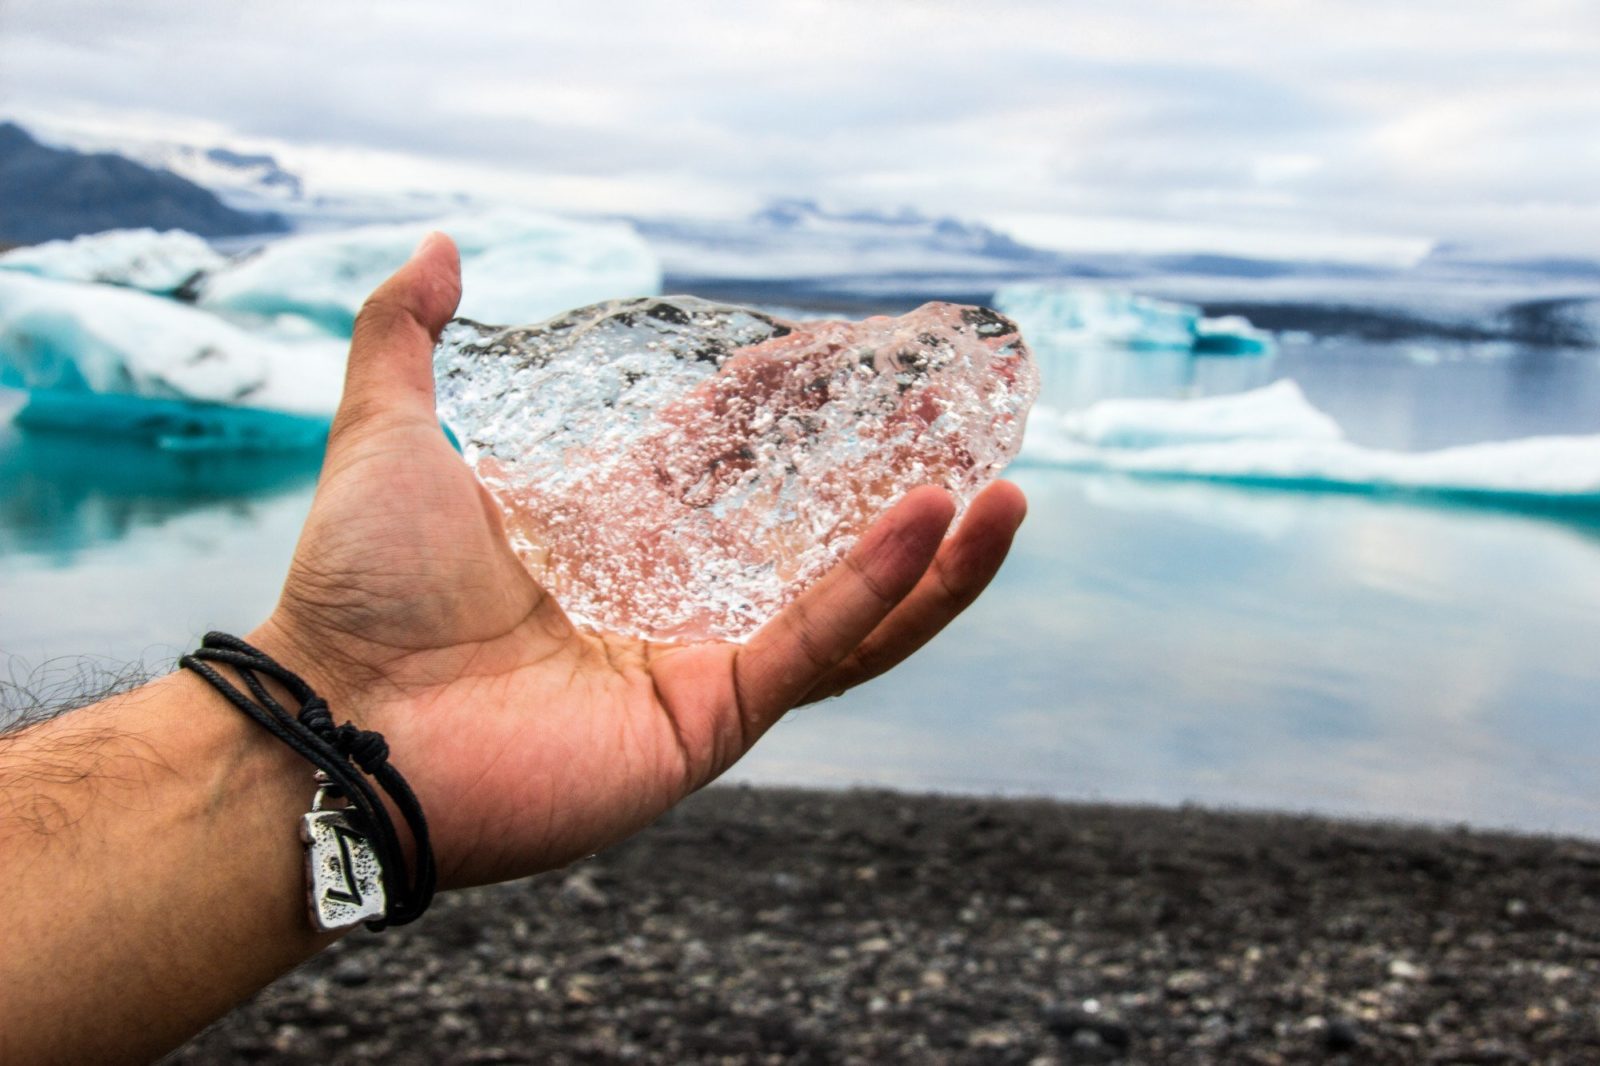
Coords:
pixel 72 340
pixel 1230 335
pixel 1279 411
pixel 136 258
pixel 1052 313
pixel 680 470
pixel 1273 437
pixel 515 266
pixel 1101 316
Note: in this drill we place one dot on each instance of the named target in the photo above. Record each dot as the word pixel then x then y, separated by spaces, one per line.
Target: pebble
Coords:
pixel 1405 971
pixel 1342 1034
pixel 737 932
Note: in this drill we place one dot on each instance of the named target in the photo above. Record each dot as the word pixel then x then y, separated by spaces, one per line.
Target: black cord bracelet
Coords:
pixel 355 867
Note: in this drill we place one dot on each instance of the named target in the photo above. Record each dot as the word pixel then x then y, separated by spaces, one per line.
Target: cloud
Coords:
pixel 1434 120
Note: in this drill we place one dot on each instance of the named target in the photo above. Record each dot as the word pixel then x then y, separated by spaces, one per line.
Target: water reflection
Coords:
pixel 1415 396
pixel 128 554
pixel 1419 397
pixel 1173 643
pixel 60 494
pixel 1075 375
pixel 1148 642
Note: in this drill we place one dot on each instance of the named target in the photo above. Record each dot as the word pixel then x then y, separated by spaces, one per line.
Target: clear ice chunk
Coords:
pixel 680 470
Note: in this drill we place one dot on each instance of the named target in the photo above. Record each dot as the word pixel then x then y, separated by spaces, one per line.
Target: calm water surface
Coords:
pixel 1148 642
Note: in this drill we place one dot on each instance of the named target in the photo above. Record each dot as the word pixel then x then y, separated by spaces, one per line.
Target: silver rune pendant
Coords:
pixel 344 879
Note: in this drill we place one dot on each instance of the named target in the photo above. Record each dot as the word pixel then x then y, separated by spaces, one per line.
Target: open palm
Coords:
pixel 531 743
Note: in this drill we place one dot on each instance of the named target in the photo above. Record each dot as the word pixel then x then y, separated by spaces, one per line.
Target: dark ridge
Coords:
pixel 1536 323
pixel 52 193
pixel 832 295
pixel 1547 323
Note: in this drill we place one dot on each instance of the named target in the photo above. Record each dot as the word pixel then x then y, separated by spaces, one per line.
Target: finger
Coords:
pixel 963 568
pixel 390 371
pixel 791 653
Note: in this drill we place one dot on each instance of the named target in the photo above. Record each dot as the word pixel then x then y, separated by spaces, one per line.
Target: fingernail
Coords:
pixel 426 243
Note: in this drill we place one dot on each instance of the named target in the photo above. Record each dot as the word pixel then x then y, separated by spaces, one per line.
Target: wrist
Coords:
pixel 349 688
pixel 276 680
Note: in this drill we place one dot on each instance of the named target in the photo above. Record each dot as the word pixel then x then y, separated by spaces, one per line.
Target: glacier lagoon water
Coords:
pixel 1148 641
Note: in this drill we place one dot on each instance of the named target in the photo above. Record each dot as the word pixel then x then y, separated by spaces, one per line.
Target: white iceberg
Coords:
pixel 73 337
pixel 1279 411
pixel 158 262
pixel 1272 437
pixel 516 266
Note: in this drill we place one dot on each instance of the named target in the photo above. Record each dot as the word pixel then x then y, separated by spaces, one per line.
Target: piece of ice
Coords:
pixel 79 337
pixel 680 470
pixel 515 266
pixel 158 262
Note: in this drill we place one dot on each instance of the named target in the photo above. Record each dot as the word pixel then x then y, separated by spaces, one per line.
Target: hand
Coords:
pixel 530 743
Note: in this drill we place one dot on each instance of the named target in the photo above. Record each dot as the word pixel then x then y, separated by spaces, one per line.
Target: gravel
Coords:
pixel 780 926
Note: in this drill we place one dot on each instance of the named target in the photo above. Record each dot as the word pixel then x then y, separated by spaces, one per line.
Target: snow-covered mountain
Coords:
pixel 259 181
pixel 797 239
pixel 256 181
pixel 49 192
pixel 253 177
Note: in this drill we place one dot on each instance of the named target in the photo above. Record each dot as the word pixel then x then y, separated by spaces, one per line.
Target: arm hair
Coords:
pixel 30 772
pixel 35 694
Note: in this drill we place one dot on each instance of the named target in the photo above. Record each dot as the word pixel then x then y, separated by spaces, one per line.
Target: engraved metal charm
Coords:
pixel 344 879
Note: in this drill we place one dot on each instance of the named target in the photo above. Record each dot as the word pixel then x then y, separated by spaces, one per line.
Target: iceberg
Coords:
pixel 516 266
pixel 1053 313
pixel 116 361
pixel 1098 316
pixel 1272 437
pixel 1279 411
pixel 1230 335
pixel 158 262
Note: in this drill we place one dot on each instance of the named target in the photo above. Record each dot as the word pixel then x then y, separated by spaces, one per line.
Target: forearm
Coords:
pixel 150 871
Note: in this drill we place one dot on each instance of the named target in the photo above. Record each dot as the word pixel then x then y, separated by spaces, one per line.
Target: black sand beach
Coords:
pixel 810 927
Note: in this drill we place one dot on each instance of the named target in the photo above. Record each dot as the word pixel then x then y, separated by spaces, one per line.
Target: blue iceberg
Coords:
pixel 1056 314
pixel 1230 335
pixel 172 425
pixel 516 266
pixel 113 361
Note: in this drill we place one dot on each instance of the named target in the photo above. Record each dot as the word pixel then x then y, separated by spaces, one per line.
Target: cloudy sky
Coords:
pixel 1373 125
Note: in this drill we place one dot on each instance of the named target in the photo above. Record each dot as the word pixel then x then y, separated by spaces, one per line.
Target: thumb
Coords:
pixel 390 371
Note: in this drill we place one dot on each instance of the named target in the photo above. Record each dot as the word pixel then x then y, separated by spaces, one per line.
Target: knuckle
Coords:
pixel 955 595
pixel 354 414
pixel 382 314
pixel 871 582
pixel 808 642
